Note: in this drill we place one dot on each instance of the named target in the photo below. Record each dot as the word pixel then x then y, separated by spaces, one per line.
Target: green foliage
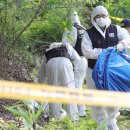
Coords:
pixel 13 20
pixel 9 126
pixel 68 124
pixel 28 114
pixel 119 8
pixel 43 30
pixel 12 127
pixel 123 122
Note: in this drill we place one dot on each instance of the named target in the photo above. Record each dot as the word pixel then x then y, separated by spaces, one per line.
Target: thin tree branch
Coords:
pixel 36 12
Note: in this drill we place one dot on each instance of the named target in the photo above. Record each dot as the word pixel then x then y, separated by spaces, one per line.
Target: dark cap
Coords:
pixel 125 23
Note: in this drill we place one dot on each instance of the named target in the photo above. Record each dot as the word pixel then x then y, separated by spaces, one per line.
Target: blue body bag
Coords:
pixel 112 71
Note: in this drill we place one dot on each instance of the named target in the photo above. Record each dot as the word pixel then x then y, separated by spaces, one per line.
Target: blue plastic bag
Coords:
pixel 112 71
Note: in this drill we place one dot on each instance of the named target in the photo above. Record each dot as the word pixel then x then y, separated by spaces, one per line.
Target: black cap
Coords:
pixel 125 23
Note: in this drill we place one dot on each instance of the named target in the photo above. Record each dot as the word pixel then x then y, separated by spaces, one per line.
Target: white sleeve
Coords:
pixel 73 54
pixel 123 36
pixel 72 34
pixel 42 71
pixel 87 48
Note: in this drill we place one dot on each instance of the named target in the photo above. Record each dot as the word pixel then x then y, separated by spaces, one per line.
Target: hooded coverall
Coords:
pixel 58 71
pixel 76 34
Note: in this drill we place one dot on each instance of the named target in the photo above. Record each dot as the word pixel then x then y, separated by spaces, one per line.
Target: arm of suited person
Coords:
pixel 87 49
pixel 75 58
pixel 42 71
pixel 123 36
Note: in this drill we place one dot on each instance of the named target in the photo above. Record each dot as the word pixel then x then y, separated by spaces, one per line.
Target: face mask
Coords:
pixel 101 22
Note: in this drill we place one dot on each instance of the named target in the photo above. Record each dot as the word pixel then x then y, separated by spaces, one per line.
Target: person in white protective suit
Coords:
pixel 57 68
pixel 126 24
pixel 76 34
pixel 98 37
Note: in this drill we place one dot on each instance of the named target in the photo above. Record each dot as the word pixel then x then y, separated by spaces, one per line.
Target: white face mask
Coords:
pixel 101 22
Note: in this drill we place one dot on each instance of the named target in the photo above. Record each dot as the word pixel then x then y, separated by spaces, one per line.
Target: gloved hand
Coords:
pixel 120 46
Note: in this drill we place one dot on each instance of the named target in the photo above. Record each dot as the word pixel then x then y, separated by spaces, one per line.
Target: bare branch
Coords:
pixel 43 2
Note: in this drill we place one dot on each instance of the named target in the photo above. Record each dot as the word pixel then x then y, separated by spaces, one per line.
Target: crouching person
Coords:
pixel 57 68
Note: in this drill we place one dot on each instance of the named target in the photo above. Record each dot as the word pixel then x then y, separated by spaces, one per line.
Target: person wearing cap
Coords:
pixel 57 68
pixel 101 35
pixel 76 34
pixel 126 25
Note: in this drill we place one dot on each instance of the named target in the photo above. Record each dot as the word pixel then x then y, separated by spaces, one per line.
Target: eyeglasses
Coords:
pixel 101 16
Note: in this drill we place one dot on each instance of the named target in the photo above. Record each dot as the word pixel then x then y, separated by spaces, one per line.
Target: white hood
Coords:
pixel 75 18
pixel 100 10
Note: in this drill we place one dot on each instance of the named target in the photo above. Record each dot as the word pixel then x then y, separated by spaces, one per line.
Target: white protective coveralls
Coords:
pixel 82 66
pixel 128 50
pixel 125 24
pixel 58 71
pixel 102 113
pixel 128 47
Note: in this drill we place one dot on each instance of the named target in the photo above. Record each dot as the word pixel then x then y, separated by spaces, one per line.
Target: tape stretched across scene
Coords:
pixel 116 18
pixel 46 93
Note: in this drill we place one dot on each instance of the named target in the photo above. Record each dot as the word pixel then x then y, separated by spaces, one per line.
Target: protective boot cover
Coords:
pixel 112 71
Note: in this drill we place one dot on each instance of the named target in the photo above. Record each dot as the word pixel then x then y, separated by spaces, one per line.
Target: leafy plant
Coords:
pixel 119 8
pixel 67 123
pixel 27 112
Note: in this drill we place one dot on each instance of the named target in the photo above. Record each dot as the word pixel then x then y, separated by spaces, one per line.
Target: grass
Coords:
pixel 124 122
pixel 86 123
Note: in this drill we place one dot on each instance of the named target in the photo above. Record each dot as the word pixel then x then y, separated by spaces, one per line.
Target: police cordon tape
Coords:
pixel 116 18
pixel 46 93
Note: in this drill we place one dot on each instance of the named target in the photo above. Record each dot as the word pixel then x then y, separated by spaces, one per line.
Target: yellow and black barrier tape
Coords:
pixel 46 93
